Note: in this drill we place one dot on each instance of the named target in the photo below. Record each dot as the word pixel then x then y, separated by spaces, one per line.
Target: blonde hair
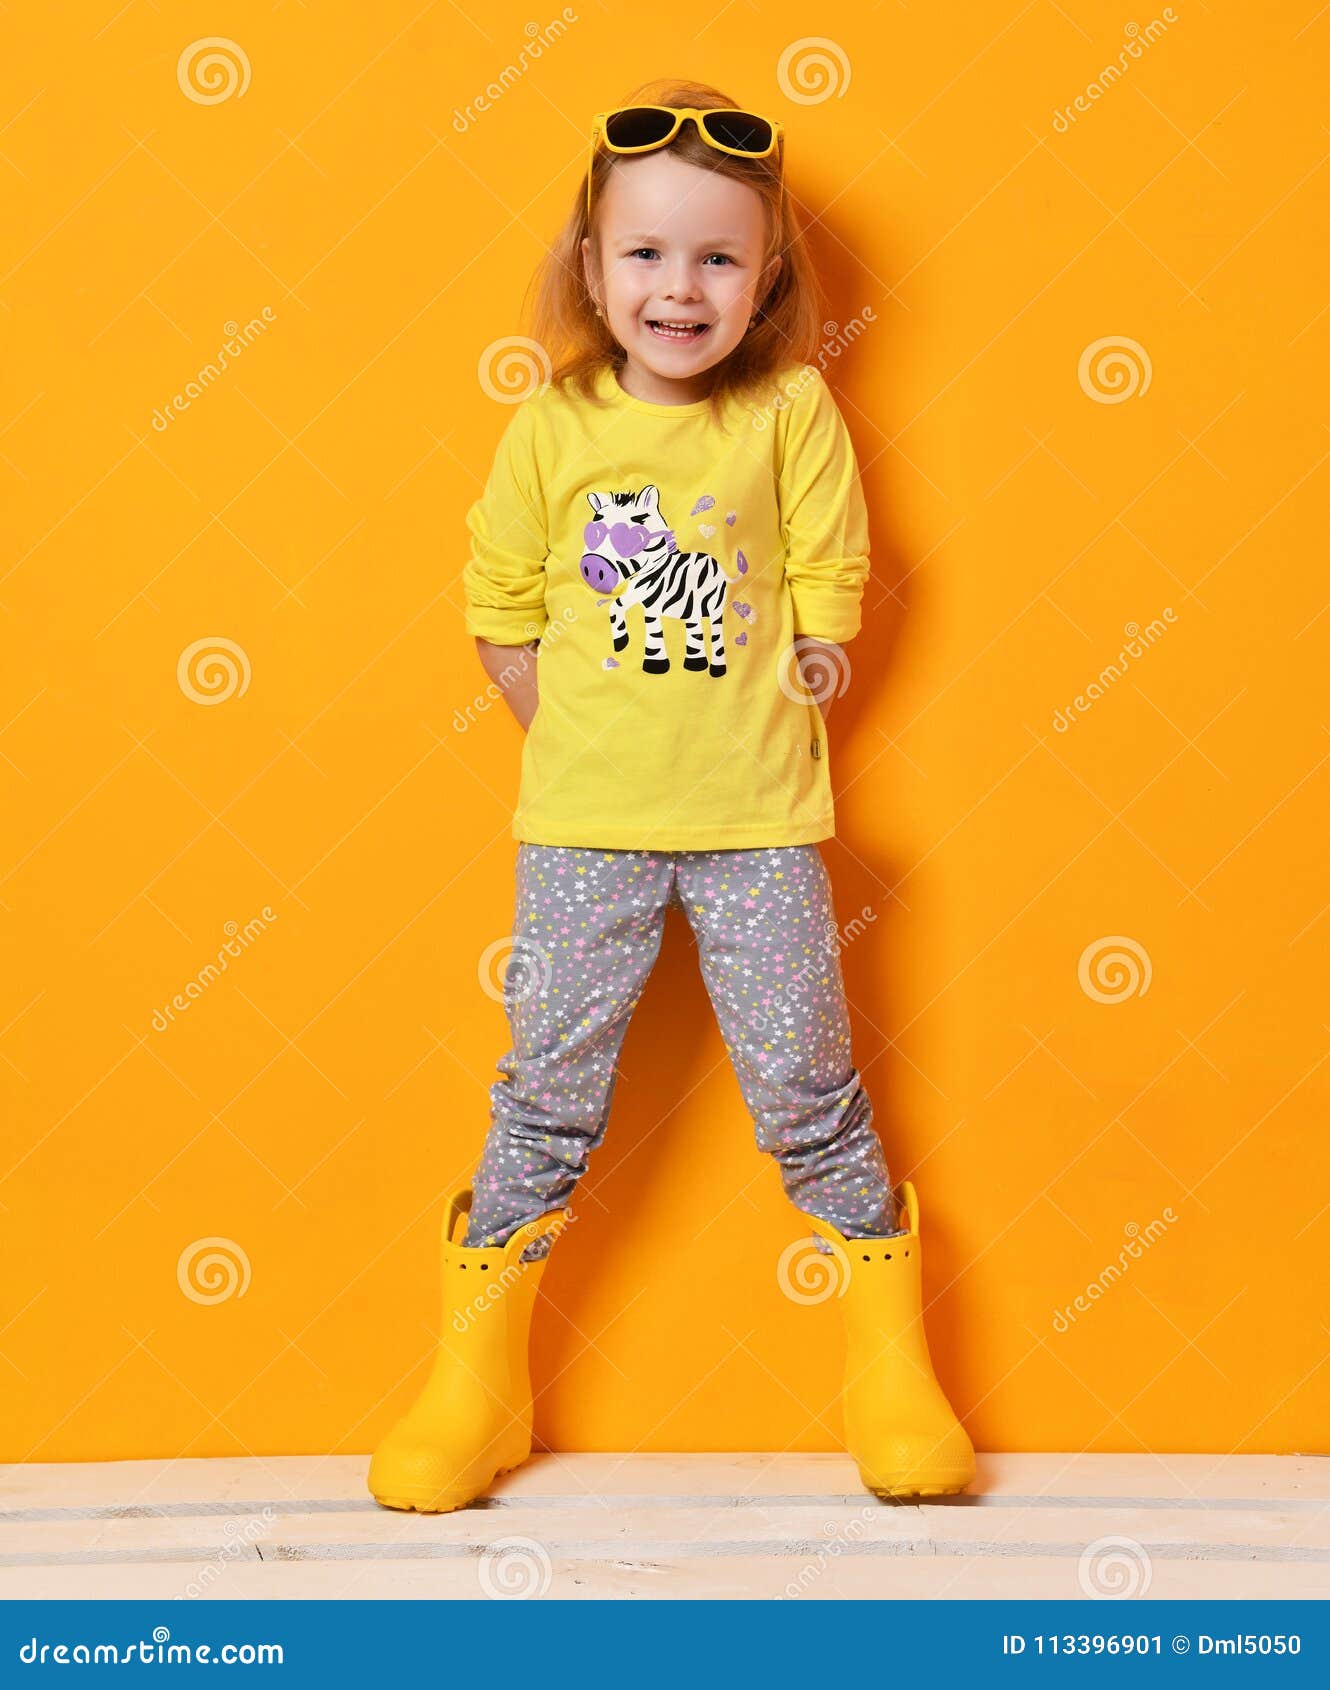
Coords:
pixel 787 323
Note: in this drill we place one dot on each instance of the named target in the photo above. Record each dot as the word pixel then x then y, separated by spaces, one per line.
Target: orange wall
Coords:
pixel 313 1105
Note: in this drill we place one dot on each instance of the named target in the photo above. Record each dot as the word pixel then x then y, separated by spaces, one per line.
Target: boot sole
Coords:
pixel 896 1492
pixel 897 1485
pixel 439 1502
pixel 435 1505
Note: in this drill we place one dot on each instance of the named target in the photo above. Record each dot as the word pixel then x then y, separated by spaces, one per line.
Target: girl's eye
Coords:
pixel 651 252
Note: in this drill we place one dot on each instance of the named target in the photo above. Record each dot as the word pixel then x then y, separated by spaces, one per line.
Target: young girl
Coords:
pixel 667 559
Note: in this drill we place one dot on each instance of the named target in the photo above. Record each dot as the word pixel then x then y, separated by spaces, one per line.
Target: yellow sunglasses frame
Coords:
pixel 680 114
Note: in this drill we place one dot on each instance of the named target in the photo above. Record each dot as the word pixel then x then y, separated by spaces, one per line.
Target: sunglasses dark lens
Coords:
pixel 743 130
pixel 638 126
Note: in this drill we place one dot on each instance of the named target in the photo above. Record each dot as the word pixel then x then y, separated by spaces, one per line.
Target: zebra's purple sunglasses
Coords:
pixel 627 538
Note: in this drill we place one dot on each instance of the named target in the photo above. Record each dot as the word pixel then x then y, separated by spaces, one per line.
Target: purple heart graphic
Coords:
pixel 703 504
pixel 741 639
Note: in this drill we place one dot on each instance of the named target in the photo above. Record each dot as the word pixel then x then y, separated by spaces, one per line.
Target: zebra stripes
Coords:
pixel 691 587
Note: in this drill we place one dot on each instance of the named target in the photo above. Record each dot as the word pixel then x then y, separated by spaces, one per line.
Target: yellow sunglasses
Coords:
pixel 641 129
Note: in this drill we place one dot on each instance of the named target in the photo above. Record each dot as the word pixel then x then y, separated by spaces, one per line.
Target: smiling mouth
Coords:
pixel 666 330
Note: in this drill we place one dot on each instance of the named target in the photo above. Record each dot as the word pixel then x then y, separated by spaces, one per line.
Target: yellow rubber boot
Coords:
pixel 472 1420
pixel 899 1426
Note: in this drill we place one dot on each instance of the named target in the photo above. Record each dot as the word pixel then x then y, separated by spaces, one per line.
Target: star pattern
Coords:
pixel 589 924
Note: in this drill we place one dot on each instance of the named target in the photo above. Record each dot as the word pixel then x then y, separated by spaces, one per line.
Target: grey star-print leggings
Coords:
pixel 587 931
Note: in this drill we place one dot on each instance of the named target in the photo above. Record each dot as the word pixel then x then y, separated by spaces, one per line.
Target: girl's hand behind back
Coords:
pixel 513 669
pixel 824 669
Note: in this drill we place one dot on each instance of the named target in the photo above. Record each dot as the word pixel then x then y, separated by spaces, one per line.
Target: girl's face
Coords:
pixel 677 245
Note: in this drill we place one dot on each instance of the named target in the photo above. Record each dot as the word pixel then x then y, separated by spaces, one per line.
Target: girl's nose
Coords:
pixel 682 285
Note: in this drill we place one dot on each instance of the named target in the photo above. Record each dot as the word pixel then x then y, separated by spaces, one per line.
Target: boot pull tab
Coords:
pixel 458 1217
pixel 550 1224
pixel 911 1205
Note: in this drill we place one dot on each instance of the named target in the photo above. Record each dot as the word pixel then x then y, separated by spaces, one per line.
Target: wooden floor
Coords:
pixel 798 1527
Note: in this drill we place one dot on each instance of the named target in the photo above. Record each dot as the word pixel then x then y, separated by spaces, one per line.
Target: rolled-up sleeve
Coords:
pixel 824 520
pixel 504 578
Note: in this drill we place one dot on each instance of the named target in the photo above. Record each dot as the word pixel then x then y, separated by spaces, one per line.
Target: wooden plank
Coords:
pixel 758 1522
pixel 665 1526
pixel 907 1578
pixel 800 1533
pixel 1002 1480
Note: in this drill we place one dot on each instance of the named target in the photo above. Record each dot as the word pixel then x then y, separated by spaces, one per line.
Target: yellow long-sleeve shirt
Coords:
pixel 667 563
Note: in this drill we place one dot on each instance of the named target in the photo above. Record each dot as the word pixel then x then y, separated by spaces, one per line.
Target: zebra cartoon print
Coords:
pixel 631 558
